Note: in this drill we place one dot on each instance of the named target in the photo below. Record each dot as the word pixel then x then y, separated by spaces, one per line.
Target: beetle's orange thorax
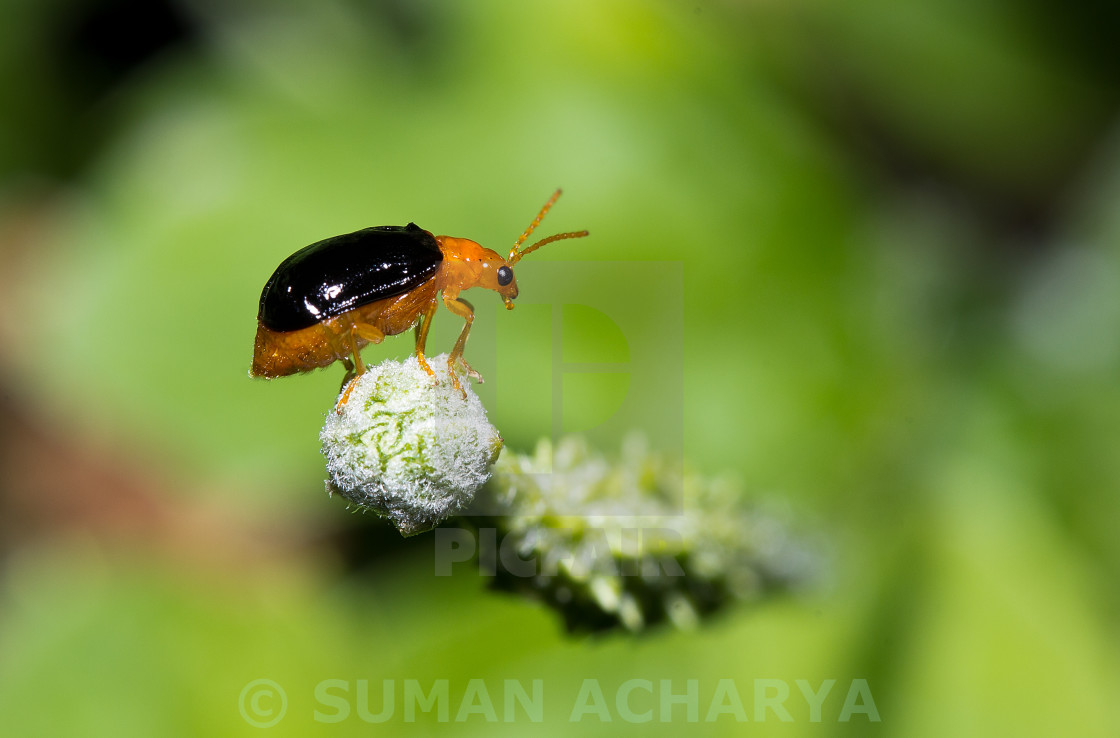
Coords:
pixel 466 263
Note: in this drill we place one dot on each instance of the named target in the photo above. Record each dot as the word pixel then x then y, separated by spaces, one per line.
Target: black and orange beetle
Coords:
pixel 328 300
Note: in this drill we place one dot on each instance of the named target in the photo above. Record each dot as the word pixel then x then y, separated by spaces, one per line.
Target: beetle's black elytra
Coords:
pixel 337 274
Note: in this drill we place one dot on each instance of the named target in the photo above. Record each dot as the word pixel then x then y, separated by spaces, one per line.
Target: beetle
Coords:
pixel 327 301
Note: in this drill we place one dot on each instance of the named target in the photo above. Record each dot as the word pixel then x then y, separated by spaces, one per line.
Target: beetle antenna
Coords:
pixel 515 255
pixel 558 237
pixel 536 221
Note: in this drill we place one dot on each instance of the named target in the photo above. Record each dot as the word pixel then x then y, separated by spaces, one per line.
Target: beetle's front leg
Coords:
pixel 463 309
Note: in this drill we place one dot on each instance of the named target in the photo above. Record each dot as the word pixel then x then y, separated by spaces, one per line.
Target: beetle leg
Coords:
pixel 353 371
pixel 348 378
pixel 422 337
pixel 367 332
pixel 463 309
pixel 470 370
pixel 356 369
pixel 370 333
pixel 360 366
pixel 348 382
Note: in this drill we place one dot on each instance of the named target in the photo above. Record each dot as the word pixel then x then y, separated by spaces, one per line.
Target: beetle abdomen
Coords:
pixel 280 353
pixel 338 274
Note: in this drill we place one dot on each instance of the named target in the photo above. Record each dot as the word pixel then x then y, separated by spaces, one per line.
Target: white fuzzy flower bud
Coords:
pixel 408 449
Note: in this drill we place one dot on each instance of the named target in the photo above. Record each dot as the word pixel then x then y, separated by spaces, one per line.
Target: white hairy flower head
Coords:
pixel 407 448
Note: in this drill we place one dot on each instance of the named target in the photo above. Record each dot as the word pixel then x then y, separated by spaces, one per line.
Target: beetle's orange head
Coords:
pixel 469 264
pixel 497 275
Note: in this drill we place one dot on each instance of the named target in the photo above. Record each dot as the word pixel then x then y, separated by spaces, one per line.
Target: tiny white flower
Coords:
pixel 634 542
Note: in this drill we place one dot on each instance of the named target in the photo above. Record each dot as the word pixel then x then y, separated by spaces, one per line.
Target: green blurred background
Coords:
pixel 900 247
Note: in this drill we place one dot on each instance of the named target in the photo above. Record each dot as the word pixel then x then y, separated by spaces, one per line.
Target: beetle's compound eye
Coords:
pixel 505 275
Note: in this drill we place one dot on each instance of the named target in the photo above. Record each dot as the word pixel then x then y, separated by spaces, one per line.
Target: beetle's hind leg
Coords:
pixel 346 387
pixel 367 332
pixel 357 368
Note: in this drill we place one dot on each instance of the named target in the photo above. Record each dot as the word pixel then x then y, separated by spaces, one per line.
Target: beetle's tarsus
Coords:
pixel 455 383
pixel 346 395
pixel 348 377
pixel 428 369
pixel 466 367
pixel 424 365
